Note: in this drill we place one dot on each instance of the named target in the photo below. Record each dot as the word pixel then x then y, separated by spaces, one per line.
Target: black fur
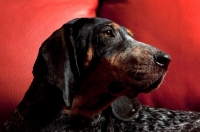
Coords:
pixel 86 78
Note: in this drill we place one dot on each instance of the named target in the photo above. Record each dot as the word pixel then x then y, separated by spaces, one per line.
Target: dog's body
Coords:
pixel 86 78
pixel 146 120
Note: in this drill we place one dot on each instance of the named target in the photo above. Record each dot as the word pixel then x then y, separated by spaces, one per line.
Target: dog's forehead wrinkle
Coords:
pixel 98 27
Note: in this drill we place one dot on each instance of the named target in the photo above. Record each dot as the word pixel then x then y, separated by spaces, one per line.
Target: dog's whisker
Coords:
pixel 135 74
pixel 125 73
pixel 164 81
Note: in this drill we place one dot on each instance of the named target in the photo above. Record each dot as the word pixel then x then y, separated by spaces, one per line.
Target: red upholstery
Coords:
pixel 173 26
pixel 24 25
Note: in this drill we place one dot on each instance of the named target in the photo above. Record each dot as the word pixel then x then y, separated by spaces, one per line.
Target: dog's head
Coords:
pixel 94 61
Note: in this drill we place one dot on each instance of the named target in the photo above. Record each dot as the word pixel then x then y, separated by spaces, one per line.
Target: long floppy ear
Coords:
pixel 57 62
pixel 124 108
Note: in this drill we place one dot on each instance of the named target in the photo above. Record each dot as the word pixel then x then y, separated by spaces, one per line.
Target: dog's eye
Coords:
pixel 108 33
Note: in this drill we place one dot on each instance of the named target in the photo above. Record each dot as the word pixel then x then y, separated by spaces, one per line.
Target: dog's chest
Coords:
pixel 146 120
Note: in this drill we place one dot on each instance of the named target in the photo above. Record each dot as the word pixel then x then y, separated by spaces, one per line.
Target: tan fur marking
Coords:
pixel 114 60
pixel 115 25
pixel 89 56
pixel 129 32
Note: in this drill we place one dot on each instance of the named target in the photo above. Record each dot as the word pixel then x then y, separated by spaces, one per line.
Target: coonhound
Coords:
pixel 86 78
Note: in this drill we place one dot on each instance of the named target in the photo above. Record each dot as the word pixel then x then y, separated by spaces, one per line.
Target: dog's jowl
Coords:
pixel 87 76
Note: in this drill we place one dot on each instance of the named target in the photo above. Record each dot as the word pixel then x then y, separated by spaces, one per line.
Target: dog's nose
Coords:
pixel 162 59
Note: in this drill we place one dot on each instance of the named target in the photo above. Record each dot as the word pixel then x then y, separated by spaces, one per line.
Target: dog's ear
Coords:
pixel 124 108
pixel 57 62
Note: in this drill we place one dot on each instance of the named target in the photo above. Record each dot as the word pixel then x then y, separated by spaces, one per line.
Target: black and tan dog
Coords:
pixel 86 78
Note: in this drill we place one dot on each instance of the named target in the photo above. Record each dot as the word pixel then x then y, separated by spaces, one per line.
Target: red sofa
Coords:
pixel 173 26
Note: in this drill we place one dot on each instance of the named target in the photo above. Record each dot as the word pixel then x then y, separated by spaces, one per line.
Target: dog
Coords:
pixel 87 77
